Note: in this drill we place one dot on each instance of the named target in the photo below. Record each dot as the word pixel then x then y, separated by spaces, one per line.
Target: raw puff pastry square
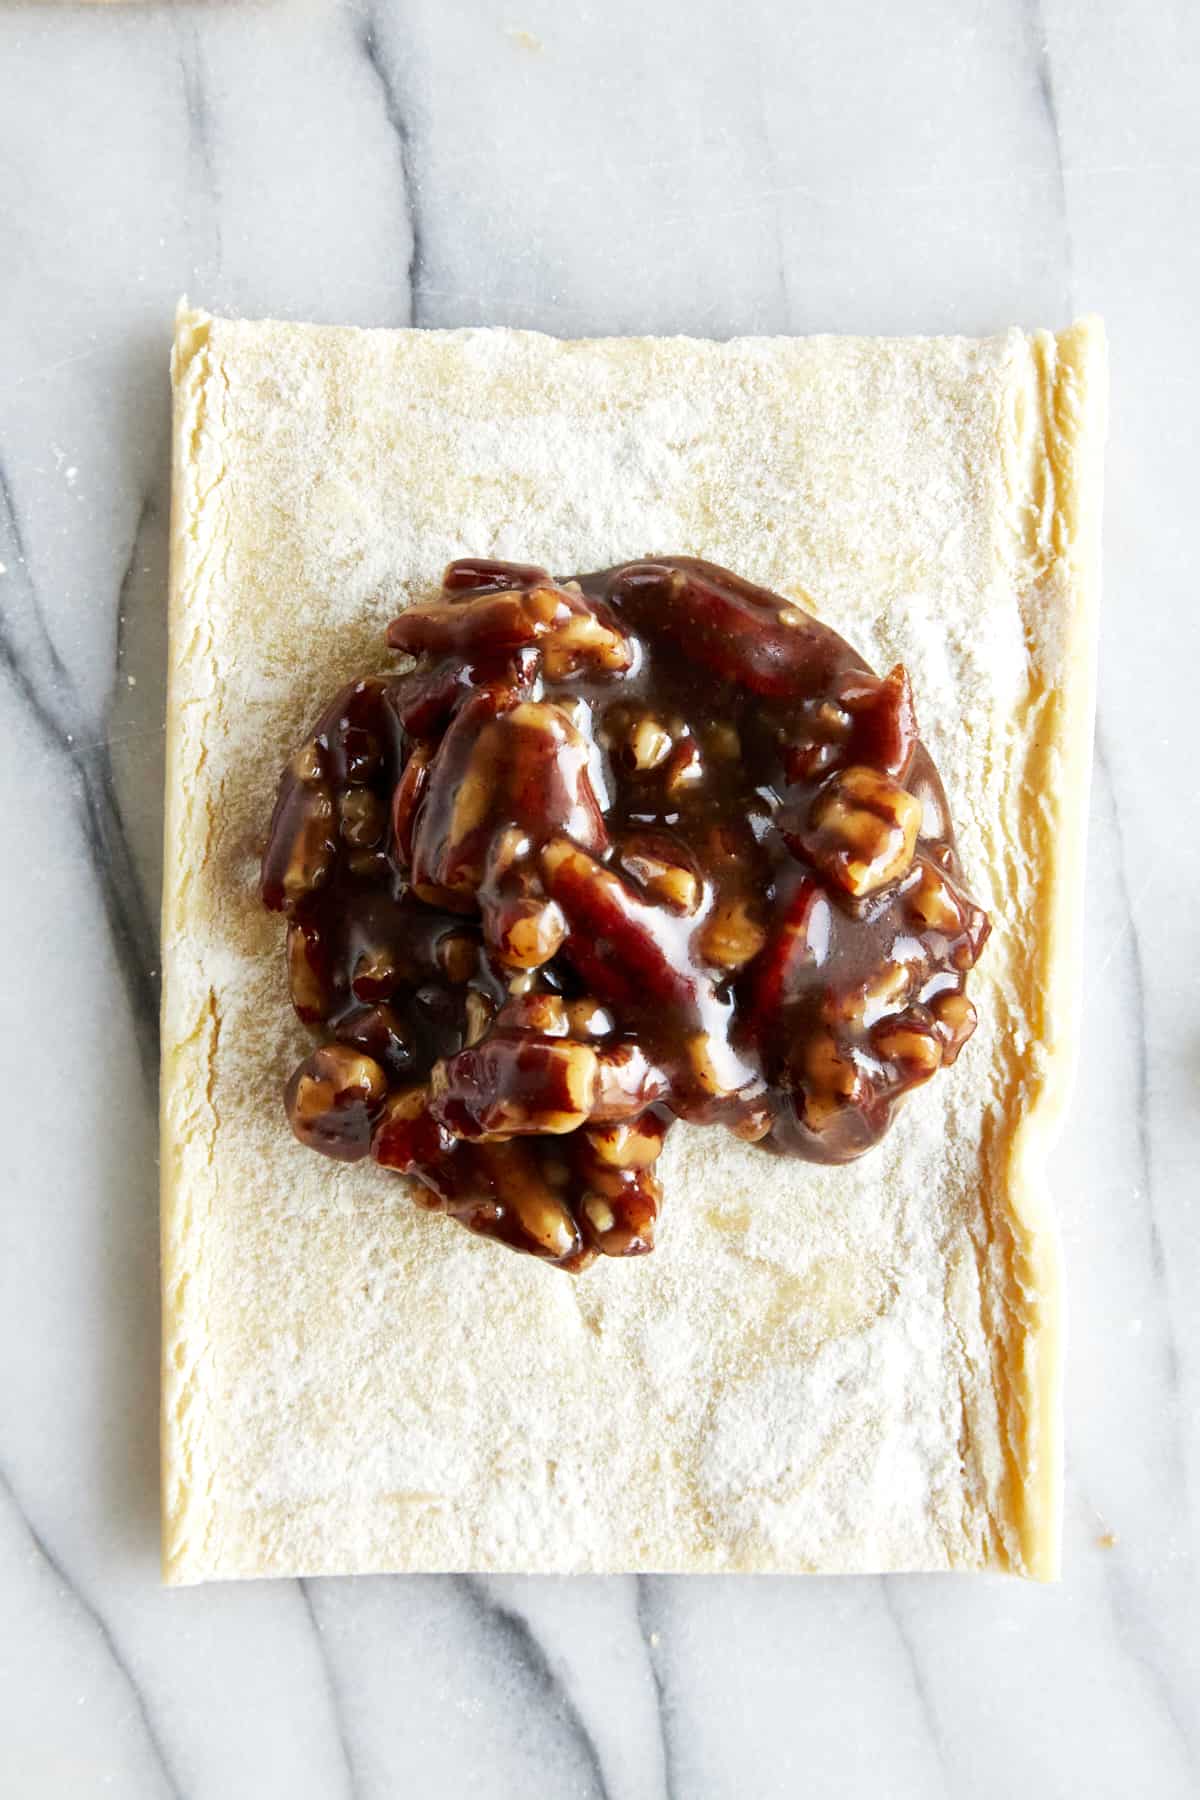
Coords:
pixel 818 1369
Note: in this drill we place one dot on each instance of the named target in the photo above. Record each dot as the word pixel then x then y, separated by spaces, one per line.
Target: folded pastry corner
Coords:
pixel 820 1368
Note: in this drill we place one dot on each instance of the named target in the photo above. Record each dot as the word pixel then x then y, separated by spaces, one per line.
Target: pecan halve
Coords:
pixel 744 634
pixel 799 941
pixel 616 940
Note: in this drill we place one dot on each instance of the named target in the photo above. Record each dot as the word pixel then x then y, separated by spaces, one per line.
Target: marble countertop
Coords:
pixel 775 166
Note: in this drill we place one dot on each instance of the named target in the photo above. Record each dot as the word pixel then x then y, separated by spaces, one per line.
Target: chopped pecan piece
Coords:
pixel 956 1020
pixel 731 935
pixel 526 767
pixel 480 1013
pixel 302 847
pixel 825 733
pixel 586 1018
pixel 622 1224
pixel 308 765
pixel 882 993
pixel 410 791
pixel 754 1123
pixel 716 1069
pixel 664 868
pixel 407 1137
pixel 541 1216
pixel 862 830
pixel 626 1083
pixel 333 1099
pixel 361 817
pixel 377 973
pixel 883 730
pixel 650 743
pixel 383 1034
pixel 516 1082
pixel 632 1144
pixel 619 1205
pixel 931 900
pixel 362 753
pixel 912 1047
pixel 832 1080
pixel 684 769
pixel 584 641
pixel 544 1013
pixel 615 939
pixel 309 975
pixel 523 930
pixel 457 956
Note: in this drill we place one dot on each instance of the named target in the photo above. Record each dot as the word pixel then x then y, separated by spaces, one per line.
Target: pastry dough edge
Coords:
pixel 190 1009
pixel 1062 544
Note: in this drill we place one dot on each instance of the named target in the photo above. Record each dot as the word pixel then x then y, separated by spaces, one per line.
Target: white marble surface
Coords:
pixel 658 165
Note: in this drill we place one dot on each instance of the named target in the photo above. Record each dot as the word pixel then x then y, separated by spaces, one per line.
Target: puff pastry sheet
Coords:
pixel 818 1369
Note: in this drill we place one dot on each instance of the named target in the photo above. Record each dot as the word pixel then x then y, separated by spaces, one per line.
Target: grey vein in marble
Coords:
pixel 336 1705
pixel 398 124
pixel 33 665
pixel 920 1679
pixel 1141 1099
pixel 651 1638
pixel 105 1638
pixel 517 1641
pixel 200 136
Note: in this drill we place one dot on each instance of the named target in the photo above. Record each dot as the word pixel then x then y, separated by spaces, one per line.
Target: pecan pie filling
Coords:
pixel 652 844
